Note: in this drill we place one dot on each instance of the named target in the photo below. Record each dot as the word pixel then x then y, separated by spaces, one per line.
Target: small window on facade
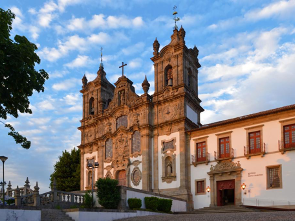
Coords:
pixel 122 121
pixel 224 150
pixel 91 106
pixel 201 151
pixel 274 179
pixel 254 142
pixel 109 148
pixel 289 136
pixel 200 187
pixel 136 142
pixel 121 97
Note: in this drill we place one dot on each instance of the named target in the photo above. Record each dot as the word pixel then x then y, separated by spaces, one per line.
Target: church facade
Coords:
pixel 157 142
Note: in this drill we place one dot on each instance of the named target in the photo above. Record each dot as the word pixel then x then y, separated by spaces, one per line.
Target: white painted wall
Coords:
pixel 139 158
pixel 21 215
pixel 191 114
pixel 107 216
pixel 177 205
pixel 173 184
pixel 255 185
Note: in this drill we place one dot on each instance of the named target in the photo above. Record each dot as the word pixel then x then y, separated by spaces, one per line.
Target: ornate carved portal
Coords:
pixel 225 183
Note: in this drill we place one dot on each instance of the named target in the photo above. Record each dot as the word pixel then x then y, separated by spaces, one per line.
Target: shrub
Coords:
pixel 88 200
pixel 108 193
pixel 134 203
pixel 164 205
pixel 151 203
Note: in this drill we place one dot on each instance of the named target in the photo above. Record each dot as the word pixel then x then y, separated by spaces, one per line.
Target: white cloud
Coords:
pixel 76 42
pixel 39 121
pixel 250 83
pixel 72 99
pixel 80 61
pixel 66 84
pixel 133 49
pixel 279 8
pixel 58 74
pixel 90 76
pixel 45 105
pixel 135 63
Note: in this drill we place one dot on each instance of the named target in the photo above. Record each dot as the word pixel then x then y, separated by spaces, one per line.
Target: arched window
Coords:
pixel 135 142
pixel 168 165
pixel 109 148
pixel 168 76
pixel 91 106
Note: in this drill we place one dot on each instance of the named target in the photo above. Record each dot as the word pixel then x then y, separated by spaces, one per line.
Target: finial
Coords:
pixel 176 19
pixel 122 66
pixel 27 180
pixel 145 85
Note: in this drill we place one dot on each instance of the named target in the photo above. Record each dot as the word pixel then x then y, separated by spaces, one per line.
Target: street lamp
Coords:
pixel 3 158
pixel 91 167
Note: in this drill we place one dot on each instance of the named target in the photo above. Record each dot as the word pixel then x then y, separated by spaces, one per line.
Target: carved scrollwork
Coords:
pixel 136 176
pixel 226 166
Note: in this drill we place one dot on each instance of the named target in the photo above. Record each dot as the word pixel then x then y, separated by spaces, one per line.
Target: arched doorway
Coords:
pixel 121 177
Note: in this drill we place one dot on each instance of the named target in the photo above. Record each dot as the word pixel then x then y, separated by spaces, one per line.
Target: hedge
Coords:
pixel 134 203
pixel 108 193
pixel 155 203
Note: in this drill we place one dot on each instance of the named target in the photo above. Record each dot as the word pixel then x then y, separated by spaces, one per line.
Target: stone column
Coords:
pixel 100 160
pixel 17 197
pixel 9 189
pixel 145 160
pixel 26 187
pixel 156 163
pixel 82 170
pixel 183 162
pixel 238 192
pixel 213 191
pixel 122 205
pixel 36 195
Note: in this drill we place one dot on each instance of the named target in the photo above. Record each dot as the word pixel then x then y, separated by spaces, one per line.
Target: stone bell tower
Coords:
pixel 176 110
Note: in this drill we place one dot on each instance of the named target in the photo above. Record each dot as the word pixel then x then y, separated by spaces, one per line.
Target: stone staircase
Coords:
pixel 224 209
pixel 54 215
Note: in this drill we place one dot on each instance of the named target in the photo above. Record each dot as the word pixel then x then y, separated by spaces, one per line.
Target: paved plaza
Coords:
pixel 249 216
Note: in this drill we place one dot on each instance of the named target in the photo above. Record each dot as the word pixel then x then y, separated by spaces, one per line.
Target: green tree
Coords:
pixel 18 77
pixel 67 171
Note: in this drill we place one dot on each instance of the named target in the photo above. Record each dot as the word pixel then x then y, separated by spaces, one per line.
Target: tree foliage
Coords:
pixel 67 171
pixel 108 193
pixel 18 77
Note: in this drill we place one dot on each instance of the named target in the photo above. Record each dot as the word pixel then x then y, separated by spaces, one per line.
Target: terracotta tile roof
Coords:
pixel 241 118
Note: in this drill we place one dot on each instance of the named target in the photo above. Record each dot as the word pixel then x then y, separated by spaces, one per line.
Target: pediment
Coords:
pixel 225 167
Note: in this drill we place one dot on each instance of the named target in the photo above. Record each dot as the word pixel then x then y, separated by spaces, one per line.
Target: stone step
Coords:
pixel 54 215
pixel 224 209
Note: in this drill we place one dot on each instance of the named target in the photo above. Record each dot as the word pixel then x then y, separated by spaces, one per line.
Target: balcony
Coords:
pixel 283 147
pixel 255 152
pixel 195 161
pixel 226 156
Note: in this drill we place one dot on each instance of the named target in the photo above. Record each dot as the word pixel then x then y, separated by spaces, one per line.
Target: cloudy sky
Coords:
pixel 247 53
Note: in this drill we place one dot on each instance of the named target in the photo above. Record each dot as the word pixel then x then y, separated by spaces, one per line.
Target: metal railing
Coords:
pixel 247 152
pixel 218 157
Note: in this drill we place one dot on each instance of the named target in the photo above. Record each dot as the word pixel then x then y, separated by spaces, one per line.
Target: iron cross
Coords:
pixel 122 66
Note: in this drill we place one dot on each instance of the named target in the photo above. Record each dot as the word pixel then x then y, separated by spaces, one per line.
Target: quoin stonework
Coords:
pixel 157 142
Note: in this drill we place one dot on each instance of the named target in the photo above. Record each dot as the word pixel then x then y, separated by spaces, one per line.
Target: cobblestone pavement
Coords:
pixel 248 216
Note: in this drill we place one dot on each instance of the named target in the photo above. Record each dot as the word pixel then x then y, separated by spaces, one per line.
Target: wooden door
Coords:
pixel 224 150
pixel 254 142
pixel 122 178
pixel 221 186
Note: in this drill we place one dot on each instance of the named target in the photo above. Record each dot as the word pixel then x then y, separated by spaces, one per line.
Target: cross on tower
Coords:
pixel 122 66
